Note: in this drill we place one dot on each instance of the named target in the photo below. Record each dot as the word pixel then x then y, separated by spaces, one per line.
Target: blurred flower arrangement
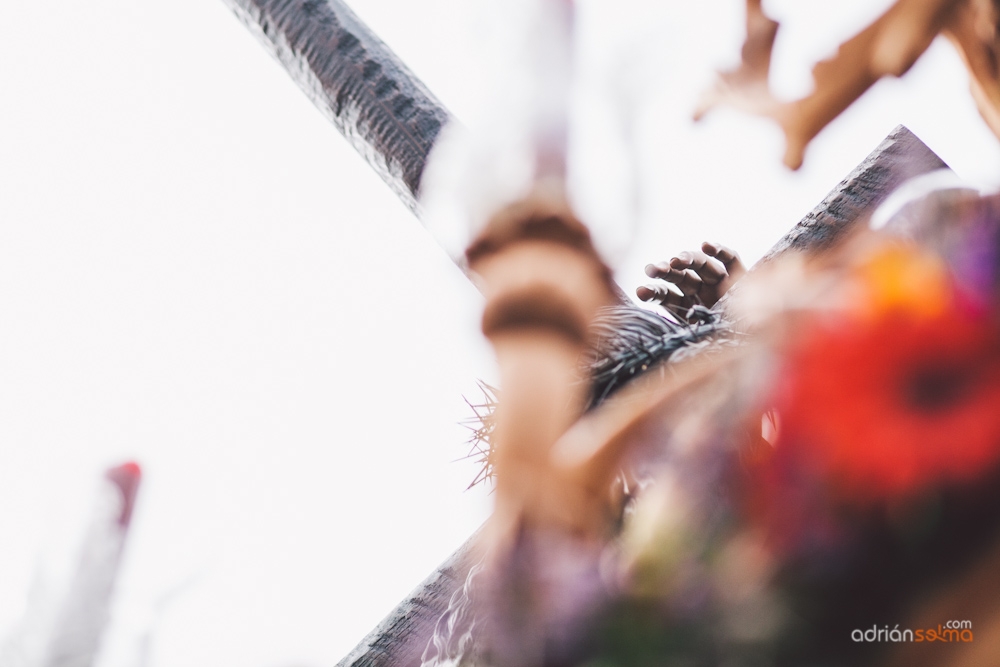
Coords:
pixel 879 488
pixel 871 488
pixel 900 392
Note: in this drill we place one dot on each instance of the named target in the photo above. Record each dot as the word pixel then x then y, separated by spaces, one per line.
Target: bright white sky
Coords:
pixel 198 273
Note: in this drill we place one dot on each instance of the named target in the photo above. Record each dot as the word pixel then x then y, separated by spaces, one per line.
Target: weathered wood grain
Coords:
pixel 358 83
pixel 402 636
pixel 899 157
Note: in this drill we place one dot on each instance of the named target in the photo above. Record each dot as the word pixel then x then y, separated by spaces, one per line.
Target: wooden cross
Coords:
pixel 392 119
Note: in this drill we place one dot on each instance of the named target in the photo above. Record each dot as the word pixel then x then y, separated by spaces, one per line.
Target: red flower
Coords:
pixel 897 396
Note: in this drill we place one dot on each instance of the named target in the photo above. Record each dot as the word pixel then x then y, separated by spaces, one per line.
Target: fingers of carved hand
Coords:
pixel 710 270
pixel 689 282
pixel 701 277
pixel 728 257
pixel 666 296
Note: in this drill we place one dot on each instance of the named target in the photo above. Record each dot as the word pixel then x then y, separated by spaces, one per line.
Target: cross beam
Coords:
pixel 356 81
pixel 899 157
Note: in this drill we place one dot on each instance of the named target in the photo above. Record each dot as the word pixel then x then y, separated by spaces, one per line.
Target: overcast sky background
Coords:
pixel 197 272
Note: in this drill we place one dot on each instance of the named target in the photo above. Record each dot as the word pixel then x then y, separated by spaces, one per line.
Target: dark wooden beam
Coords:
pixel 401 637
pixel 899 157
pixel 358 83
pixel 399 640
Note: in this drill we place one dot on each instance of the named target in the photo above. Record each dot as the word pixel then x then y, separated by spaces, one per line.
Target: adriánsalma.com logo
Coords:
pixel 952 631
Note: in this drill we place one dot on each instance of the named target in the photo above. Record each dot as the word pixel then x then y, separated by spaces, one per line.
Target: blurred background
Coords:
pixel 198 273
